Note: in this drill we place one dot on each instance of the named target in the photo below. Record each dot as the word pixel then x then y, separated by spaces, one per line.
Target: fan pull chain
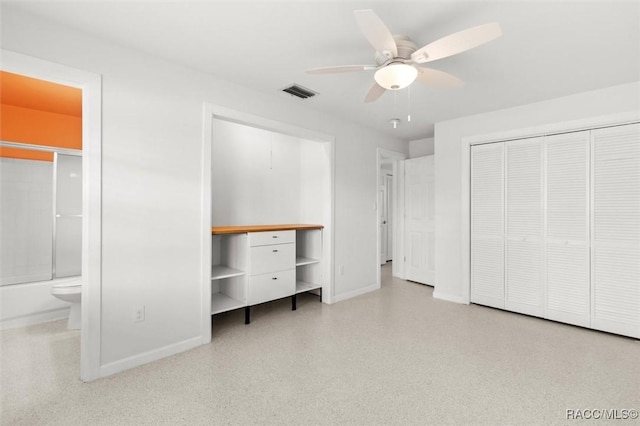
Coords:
pixel 395 109
pixel 409 104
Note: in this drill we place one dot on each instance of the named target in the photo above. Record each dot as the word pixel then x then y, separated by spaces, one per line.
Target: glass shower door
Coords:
pixel 67 239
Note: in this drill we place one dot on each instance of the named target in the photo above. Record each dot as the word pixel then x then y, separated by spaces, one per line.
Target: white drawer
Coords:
pixel 275 257
pixel 272 237
pixel 276 285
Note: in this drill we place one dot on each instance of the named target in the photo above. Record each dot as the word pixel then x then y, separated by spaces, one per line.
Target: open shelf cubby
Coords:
pixel 228 294
pixel 308 260
pixel 228 273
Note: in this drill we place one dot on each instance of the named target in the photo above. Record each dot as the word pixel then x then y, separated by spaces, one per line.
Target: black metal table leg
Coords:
pixel 247 314
pixel 293 302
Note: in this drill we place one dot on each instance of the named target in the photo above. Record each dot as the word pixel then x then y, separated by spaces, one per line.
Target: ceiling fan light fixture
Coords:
pixel 396 76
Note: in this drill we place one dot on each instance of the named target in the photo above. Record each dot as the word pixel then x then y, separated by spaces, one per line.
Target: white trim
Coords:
pixel 357 292
pixel 150 356
pixel 91 85
pixel 398 267
pixel 212 112
pixel 205 208
pixel 448 297
pixel 465 186
pixel 398 240
pixel 555 128
pixel 240 117
pixel 328 234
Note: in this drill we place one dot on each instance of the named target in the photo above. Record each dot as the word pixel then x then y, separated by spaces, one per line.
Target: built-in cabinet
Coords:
pixel 258 264
pixel 555 227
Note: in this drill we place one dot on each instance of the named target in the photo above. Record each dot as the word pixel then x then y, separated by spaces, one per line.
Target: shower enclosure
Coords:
pixel 41 209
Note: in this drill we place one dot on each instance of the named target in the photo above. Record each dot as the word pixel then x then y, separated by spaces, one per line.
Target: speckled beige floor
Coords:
pixel 395 356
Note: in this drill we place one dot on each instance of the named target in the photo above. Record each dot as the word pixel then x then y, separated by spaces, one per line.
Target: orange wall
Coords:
pixel 38 128
pixel 38 112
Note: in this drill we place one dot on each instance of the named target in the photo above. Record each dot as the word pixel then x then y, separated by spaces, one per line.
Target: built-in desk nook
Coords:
pixel 259 263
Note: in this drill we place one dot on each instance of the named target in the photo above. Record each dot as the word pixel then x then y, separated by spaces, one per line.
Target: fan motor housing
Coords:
pixel 405 48
pixel 405 45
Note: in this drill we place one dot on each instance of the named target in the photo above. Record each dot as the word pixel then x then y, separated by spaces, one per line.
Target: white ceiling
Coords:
pixel 548 49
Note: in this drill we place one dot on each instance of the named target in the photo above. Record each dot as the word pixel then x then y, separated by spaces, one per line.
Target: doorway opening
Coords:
pixel 310 166
pixel 89 206
pixel 41 198
pixel 390 201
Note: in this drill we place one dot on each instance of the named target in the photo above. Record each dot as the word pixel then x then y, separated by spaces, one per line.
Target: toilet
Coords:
pixel 70 291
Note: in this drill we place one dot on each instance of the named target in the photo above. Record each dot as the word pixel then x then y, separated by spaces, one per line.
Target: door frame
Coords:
pixel 397 228
pixel 91 85
pixel 211 112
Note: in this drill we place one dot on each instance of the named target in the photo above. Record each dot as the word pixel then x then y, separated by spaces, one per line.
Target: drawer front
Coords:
pixel 276 285
pixel 272 237
pixel 276 257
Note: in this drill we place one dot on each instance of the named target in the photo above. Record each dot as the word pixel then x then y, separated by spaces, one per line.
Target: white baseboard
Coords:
pixel 150 356
pixel 354 293
pixel 448 297
pixel 33 319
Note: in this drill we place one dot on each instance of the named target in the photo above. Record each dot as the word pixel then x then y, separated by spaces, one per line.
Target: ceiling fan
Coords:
pixel 397 56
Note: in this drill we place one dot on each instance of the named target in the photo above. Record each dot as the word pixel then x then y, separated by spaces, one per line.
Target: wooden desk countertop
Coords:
pixel 217 230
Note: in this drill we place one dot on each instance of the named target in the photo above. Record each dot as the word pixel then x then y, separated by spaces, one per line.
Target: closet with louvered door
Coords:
pixel 567 228
pixel 524 225
pixel 555 227
pixel 615 229
pixel 487 225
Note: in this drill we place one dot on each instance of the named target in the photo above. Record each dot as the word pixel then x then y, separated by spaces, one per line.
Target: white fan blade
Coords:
pixel 457 43
pixel 374 93
pixel 375 31
pixel 339 69
pixel 437 78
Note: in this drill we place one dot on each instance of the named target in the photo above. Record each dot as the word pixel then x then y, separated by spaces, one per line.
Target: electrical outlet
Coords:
pixel 138 314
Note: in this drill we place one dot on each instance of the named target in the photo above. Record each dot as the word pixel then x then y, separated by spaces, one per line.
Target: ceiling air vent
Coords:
pixel 299 91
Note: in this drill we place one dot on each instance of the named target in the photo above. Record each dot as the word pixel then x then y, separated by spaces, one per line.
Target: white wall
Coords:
pixel 314 178
pixel 255 176
pixel 151 132
pixel 452 192
pixel 421 147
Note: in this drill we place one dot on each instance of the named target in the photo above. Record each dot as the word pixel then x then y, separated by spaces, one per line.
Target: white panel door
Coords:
pixel 615 232
pixel 567 228
pixel 487 225
pixel 524 280
pixel 419 220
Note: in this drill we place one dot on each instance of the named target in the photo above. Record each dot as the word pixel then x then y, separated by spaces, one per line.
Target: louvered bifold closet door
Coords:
pixel 615 261
pixel 524 281
pixel 487 225
pixel 567 225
